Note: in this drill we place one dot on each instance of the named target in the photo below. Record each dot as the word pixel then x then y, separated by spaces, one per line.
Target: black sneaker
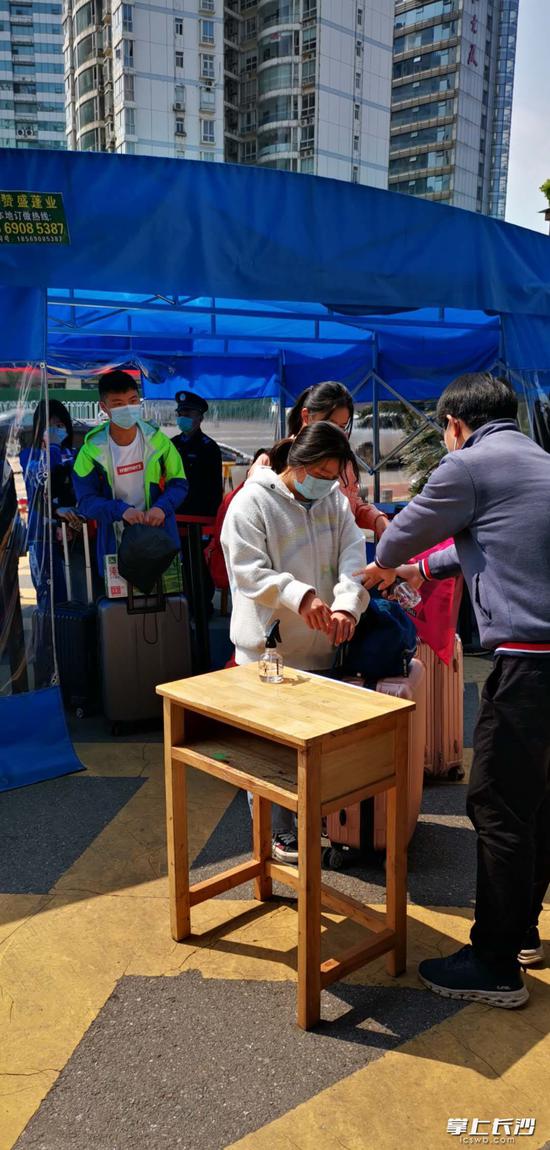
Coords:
pixel 285 847
pixel 464 975
pixel 531 953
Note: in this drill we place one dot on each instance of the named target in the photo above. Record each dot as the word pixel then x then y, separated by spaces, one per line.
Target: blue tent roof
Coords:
pixel 234 279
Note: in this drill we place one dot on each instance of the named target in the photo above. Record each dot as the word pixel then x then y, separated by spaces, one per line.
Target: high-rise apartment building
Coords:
pixel 32 104
pixel 145 78
pixel 297 84
pixel 453 78
pixel 307 86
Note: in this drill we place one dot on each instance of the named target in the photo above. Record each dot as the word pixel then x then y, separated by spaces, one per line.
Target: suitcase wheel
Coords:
pixel 334 858
pixel 455 774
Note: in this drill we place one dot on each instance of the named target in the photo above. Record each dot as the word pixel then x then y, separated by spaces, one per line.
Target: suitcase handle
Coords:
pixel 87 560
pixel 152 604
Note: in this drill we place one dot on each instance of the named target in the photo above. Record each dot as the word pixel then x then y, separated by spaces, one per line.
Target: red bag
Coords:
pixel 436 616
pixel 213 553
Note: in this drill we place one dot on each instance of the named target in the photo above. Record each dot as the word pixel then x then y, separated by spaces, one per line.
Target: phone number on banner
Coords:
pixel 32 218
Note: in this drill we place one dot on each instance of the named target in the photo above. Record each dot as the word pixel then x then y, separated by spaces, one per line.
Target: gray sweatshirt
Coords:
pixel 493 497
pixel 276 550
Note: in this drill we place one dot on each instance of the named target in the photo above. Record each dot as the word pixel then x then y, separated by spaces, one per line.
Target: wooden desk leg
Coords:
pixel 261 833
pixel 396 852
pixel 176 824
pixel 309 889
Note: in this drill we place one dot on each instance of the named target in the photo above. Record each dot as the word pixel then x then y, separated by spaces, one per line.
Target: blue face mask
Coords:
pixel 57 435
pixel 313 488
pixel 185 423
pixel 126 416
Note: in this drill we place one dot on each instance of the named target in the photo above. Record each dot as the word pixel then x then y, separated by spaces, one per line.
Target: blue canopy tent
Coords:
pixel 244 282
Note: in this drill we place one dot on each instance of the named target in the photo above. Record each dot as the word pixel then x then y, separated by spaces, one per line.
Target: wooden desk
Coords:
pixel 312 746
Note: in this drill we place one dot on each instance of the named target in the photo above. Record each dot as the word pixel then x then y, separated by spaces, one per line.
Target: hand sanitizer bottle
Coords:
pixel 270 667
pixel 406 596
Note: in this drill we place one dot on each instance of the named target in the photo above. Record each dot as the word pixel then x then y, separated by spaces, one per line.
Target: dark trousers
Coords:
pixel 509 803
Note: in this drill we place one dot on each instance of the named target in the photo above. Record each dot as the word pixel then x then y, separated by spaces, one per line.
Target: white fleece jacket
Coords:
pixel 276 550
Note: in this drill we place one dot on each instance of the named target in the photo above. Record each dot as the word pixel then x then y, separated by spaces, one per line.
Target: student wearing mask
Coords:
pixel 490 493
pixel 331 401
pixel 51 450
pixel 127 470
pixel 291 547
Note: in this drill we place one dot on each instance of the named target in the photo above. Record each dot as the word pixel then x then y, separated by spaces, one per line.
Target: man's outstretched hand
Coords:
pixel 384 577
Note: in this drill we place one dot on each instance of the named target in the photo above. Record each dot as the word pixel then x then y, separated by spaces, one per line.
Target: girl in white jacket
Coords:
pixel 291 546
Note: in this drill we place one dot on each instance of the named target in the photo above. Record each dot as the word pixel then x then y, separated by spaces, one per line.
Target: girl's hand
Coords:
pixel 316 614
pixel 343 627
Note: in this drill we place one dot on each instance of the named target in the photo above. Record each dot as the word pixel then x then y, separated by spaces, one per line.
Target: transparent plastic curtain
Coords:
pixel 537 392
pixel 29 556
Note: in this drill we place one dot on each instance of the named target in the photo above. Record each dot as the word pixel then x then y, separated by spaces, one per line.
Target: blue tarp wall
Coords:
pixel 239 281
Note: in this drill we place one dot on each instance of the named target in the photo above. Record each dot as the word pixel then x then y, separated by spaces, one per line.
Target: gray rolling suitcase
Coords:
pixel 142 642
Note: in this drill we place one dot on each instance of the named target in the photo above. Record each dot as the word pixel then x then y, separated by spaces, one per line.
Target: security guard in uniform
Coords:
pixel 202 462
pixel 202 458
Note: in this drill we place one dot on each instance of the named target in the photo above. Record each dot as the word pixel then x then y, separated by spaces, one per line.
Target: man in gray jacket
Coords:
pixel 491 493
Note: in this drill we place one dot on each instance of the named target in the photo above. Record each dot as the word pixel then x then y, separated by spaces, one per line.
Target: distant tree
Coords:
pixel 545 189
pixel 422 455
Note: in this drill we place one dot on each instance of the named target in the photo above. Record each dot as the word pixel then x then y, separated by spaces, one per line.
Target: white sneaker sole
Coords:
pixel 534 957
pixel 290 860
pixel 507 1000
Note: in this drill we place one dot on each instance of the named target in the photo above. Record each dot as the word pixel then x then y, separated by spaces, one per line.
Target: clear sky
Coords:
pixel 530 141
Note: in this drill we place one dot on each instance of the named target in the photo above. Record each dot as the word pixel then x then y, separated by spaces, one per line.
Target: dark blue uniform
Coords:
pixel 202 461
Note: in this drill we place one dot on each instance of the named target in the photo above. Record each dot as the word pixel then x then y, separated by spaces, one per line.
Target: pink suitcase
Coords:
pixel 445 709
pixel 362 827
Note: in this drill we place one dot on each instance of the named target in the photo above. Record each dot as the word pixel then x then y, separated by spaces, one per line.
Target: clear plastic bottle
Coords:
pixel 270 667
pixel 405 595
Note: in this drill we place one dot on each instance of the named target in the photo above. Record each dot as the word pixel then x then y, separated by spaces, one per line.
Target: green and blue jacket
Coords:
pixel 93 478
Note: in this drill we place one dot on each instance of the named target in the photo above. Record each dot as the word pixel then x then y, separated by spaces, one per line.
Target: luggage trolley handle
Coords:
pixel 152 603
pixel 87 560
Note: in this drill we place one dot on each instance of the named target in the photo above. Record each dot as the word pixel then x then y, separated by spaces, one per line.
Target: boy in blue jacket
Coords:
pixel 127 470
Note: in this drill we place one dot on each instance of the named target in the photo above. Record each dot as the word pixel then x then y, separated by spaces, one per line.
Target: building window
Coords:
pixel 358 48
pixel 308 136
pixel 179 59
pixel 207 156
pixel 249 151
pixel 128 54
pixel 355 175
pixel 207 100
pixel 130 121
pixel 356 143
pixel 249 28
pixel 209 5
pixel 359 16
pixel 179 96
pixel 207 66
pixel 87 113
pixel 308 104
pixel 129 90
pixel 309 39
pixel 127 18
pixel 180 126
pixel 357 112
pixel 178 27
pixel 207 31
pixel 248 122
pixel 207 132
pixel 308 73
pixel 357 79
